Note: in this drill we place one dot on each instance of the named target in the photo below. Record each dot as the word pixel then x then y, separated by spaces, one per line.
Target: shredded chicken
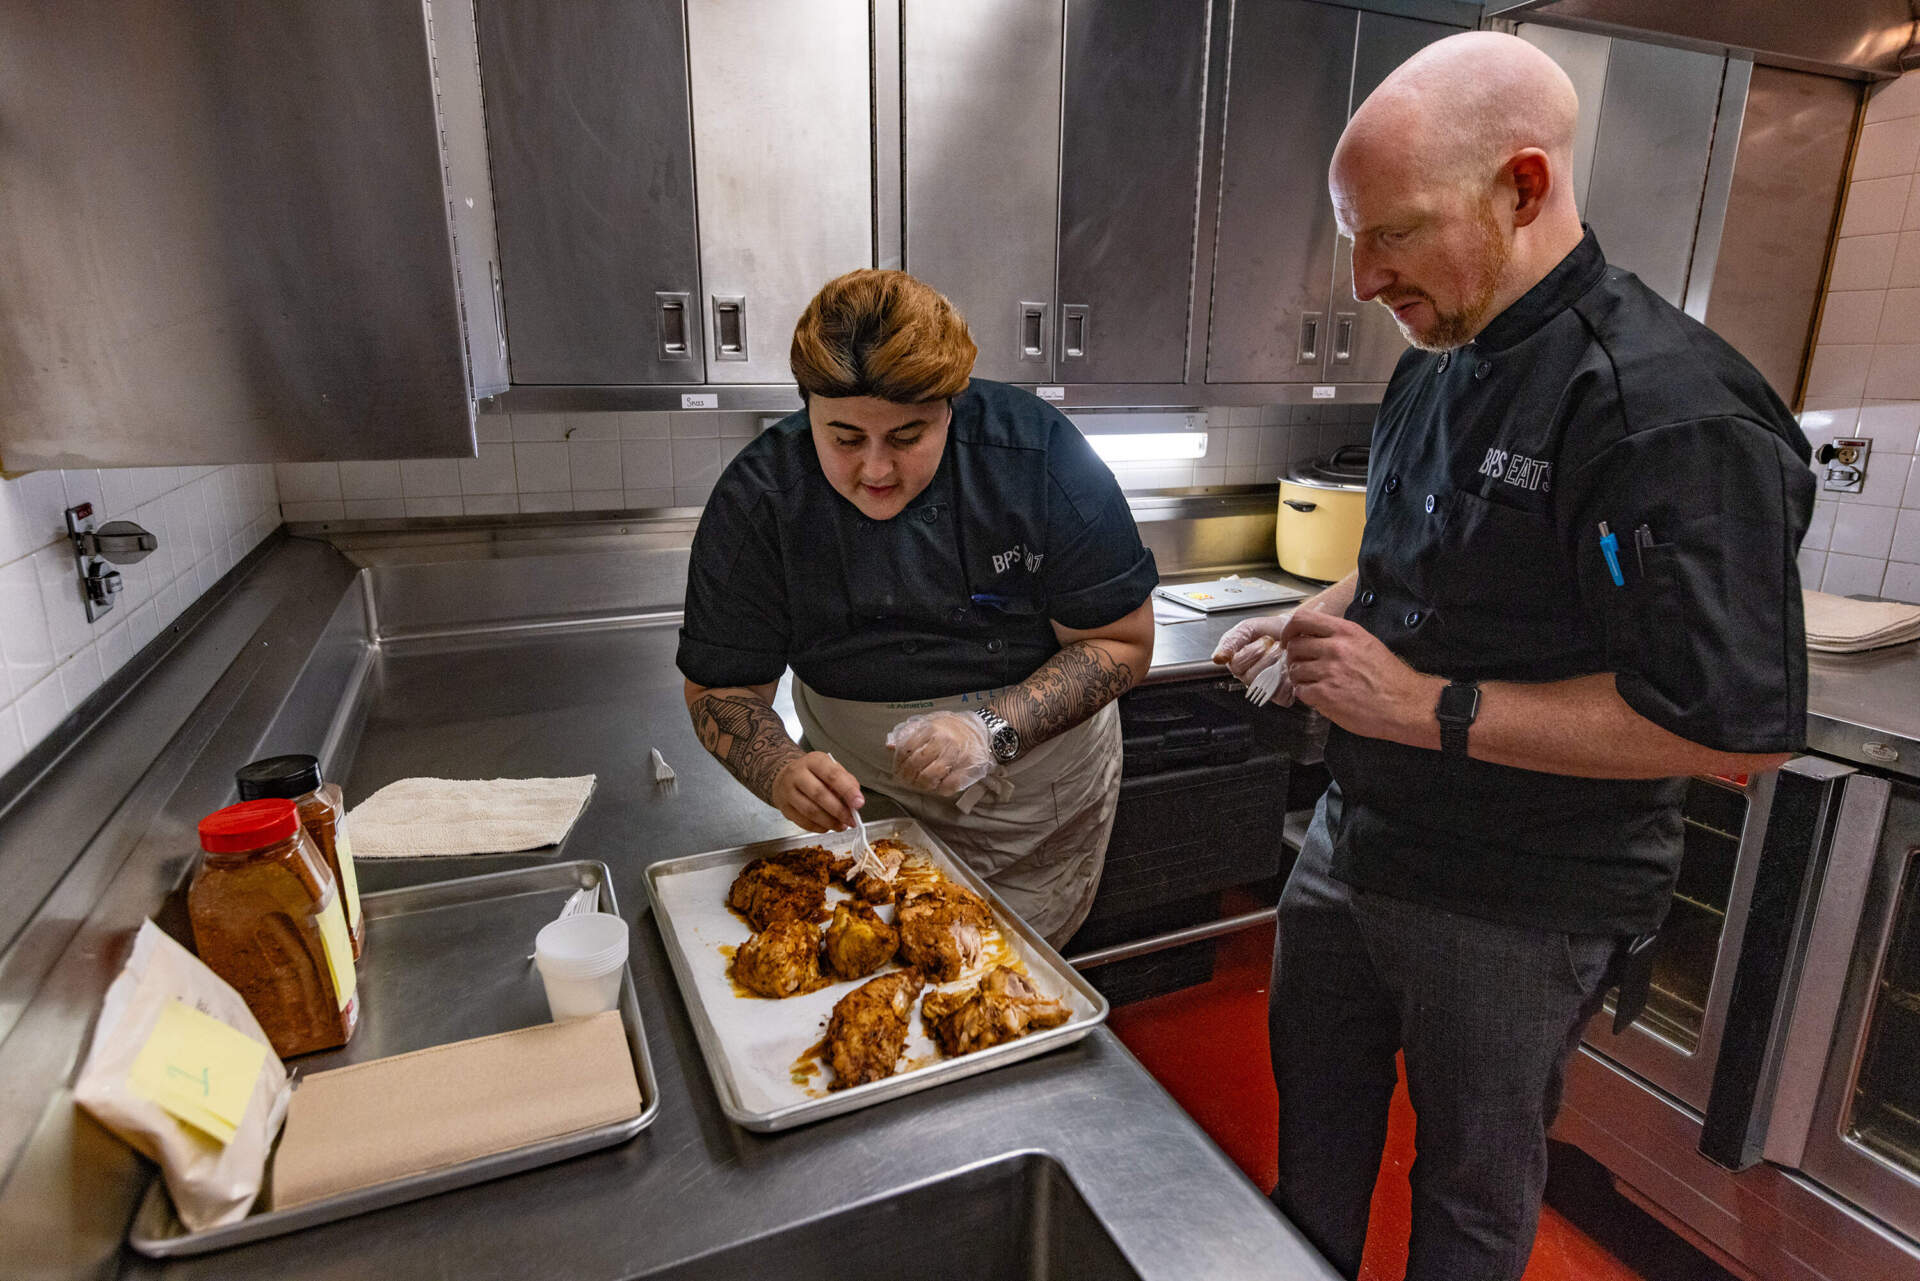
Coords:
pixel 869 1029
pixel 1003 1006
pixel 858 942
pixel 872 878
pixel 791 886
pixel 781 960
pixel 941 930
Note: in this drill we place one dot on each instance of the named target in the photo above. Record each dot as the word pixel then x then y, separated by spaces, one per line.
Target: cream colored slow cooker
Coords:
pixel 1323 507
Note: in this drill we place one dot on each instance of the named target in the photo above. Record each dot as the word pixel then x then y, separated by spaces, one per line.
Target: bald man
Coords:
pixel 1576 588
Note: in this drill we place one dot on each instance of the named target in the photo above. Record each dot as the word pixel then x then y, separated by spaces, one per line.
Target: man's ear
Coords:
pixel 1530 177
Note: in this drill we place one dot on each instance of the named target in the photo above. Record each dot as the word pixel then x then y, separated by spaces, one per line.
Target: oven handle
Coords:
pixel 1820 991
pixel 1800 831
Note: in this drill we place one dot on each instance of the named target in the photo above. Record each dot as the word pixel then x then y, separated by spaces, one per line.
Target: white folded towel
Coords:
pixel 1838 625
pixel 436 817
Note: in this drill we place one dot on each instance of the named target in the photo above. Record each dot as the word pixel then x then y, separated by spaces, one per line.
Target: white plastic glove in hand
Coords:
pixel 941 752
pixel 1250 647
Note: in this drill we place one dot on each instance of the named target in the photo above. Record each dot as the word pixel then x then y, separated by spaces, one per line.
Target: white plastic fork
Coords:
pixel 1261 688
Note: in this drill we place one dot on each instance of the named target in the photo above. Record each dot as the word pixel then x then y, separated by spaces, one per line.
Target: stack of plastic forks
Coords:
pixel 1260 689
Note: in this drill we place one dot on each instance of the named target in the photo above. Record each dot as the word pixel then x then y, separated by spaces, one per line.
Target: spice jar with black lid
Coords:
pixel 267 918
pixel 323 813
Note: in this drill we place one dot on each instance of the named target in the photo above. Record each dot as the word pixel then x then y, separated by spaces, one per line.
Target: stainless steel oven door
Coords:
pixel 1862 1140
pixel 1675 1041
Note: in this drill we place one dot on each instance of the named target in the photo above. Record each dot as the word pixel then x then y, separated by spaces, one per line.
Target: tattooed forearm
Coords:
pixel 745 735
pixel 1069 687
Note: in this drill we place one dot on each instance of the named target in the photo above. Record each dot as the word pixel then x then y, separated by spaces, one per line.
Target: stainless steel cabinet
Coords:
pixel 981 136
pixel 588 125
pixel 1283 309
pixel 1052 163
pixel 782 125
pixel 1129 174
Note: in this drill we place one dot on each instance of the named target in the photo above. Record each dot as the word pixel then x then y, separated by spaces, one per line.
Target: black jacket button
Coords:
pixel 930 514
pixel 1413 617
pixel 1446 358
pixel 1367 597
pixel 959 614
pixel 995 645
pixel 911 647
pixel 1482 369
pixel 1429 502
pixel 1393 485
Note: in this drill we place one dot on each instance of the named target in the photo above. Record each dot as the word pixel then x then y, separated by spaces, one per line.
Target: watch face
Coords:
pixel 1006 741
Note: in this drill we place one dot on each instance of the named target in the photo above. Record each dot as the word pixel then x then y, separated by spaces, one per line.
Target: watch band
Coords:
pixel 1003 740
pixel 1459 705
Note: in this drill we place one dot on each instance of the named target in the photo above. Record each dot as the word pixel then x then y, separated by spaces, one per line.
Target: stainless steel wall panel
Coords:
pixel 588 125
pixel 1365 343
pixel 1583 56
pixel 1129 173
pixel 982 137
pixel 224 236
pixel 782 124
pixel 1795 139
pixel 1290 69
pixel 1650 160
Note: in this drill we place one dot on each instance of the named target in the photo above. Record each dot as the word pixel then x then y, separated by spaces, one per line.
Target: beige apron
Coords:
pixel 1036 829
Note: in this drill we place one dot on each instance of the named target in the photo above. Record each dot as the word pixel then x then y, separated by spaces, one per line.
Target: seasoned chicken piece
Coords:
pixel 1003 1006
pixel 783 887
pixel 781 960
pixel 873 879
pixel 858 942
pixel 869 1029
pixel 815 860
pixel 940 930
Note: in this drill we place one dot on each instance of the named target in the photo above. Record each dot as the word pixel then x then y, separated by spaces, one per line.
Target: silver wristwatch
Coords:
pixel 1002 739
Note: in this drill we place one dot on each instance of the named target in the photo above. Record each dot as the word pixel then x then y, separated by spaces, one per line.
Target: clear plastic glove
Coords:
pixel 941 752
pixel 1251 647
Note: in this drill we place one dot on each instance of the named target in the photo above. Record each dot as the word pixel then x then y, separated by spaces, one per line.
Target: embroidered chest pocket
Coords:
pixel 1501 567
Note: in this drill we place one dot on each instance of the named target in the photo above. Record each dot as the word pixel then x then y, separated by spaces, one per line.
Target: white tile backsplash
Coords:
pixel 206 519
pixel 1853 575
pixel 542 467
pixel 1864 531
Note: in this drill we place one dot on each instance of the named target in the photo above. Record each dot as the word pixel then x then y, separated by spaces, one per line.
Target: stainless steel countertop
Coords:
pixel 594 701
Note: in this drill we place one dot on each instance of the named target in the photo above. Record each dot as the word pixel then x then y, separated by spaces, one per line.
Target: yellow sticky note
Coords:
pixel 198 1069
pixel 349 879
pixel 339 949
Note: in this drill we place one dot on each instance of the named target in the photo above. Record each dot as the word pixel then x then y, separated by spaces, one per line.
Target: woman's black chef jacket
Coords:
pixel 1590 399
pixel 1021 524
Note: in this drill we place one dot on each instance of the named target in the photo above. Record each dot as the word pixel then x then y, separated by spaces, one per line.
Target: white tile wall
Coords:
pixel 207 519
pixel 1865 376
pixel 616 461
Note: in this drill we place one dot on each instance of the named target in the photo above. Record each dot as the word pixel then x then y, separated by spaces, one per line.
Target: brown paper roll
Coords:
pixel 357 1126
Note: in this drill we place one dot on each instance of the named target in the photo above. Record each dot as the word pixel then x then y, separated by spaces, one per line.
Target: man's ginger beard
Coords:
pixel 1453 328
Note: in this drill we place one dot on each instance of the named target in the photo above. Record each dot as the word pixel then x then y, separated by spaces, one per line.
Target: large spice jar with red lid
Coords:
pixel 267 917
pixel 323 812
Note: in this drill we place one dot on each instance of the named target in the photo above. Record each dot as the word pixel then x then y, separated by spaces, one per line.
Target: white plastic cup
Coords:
pixel 581 959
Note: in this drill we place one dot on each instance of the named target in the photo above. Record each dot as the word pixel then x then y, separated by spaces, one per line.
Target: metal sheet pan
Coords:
pixel 445 962
pixel 694 958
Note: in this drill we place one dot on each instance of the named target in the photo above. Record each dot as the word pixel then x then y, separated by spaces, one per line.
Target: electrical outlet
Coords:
pixel 1845 459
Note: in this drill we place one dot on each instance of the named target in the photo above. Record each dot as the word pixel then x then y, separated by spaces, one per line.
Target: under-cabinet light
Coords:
pixel 1149 447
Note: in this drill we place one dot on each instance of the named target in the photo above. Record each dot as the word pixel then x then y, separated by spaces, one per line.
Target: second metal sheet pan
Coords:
pixel 691 924
pixel 445 962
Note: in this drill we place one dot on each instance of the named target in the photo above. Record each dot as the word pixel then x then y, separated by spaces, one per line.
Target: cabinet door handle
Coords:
pixel 1299 506
pixel 1033 332
pixel 1073 331
pixel 1309 340
pixel 729 326
pixel 674 343
pixel 1343 322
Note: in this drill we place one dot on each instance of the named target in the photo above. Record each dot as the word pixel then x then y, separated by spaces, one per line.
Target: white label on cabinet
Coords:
pixel 1323 393
pixel 700 400
pixel 1054 394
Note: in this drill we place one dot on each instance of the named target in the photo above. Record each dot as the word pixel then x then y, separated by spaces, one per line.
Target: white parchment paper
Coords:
pixel 762 1039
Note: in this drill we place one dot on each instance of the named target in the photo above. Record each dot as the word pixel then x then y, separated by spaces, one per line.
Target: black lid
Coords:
pixel 287 776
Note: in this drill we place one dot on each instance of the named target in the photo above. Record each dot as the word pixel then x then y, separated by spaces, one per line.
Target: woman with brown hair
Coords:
pixel 957 584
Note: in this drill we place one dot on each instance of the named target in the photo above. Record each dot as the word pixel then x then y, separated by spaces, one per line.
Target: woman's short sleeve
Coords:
pixel 736 629
pixel 1097 570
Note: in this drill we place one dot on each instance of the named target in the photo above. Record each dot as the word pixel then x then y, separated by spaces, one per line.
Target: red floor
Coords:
pixel 1208 1046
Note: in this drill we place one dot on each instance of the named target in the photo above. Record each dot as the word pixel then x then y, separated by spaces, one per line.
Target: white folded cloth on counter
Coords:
pixel 1838 625
pixel 437 817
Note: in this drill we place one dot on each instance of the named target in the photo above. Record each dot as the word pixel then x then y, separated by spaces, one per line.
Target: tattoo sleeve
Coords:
pixel 1069 687
pixel 745 735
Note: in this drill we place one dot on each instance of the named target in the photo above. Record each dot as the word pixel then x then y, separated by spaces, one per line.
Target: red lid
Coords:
pixel 250 825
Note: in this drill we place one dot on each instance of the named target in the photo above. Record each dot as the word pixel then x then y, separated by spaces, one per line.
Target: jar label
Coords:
pixel 339 949
pixel 349 879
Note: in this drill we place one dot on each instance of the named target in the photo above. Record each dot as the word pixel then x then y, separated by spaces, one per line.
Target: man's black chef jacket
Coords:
pixel 1590 399
pixel 1021 524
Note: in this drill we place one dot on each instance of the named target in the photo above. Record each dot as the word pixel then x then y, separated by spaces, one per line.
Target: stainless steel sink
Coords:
pixel 1019 1217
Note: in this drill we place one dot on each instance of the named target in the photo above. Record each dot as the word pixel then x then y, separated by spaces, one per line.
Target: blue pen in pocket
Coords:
pixel 1610 548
